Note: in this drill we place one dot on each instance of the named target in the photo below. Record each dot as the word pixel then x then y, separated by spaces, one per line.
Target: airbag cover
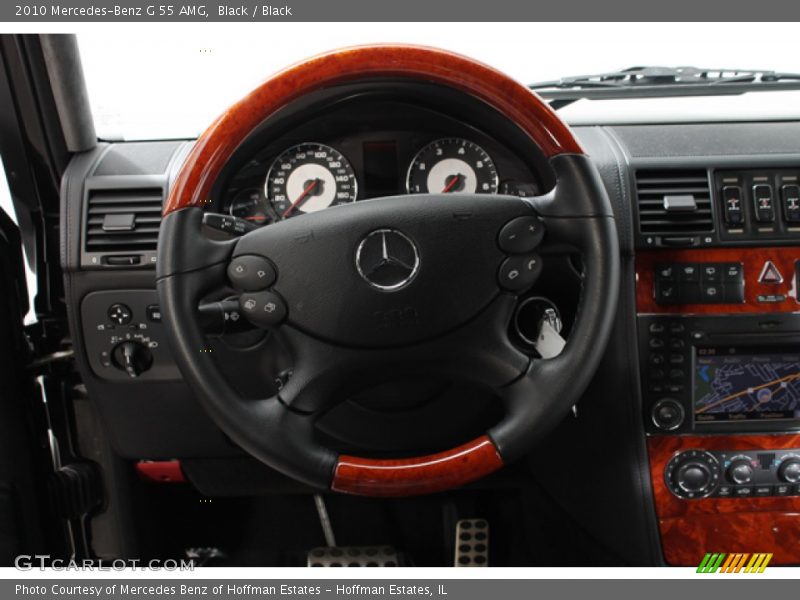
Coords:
pixel 318 275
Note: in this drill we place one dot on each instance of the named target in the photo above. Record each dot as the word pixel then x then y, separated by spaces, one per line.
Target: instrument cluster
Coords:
pixel 295 176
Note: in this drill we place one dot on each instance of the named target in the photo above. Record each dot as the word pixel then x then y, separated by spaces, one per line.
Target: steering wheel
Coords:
pixel 401 286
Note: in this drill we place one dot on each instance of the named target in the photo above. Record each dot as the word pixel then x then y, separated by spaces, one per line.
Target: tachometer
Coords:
pixel 309 177
pixel 452 165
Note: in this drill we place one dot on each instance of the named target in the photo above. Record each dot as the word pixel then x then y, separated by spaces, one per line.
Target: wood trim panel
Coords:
pixel 419 475
pixel 753 260
pixel 690 528
pixel 214 147
pixel 686 540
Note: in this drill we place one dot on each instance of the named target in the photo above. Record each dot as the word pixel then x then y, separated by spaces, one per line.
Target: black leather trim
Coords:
pixel 611 163
pixel 538 401
pixel 182 247
pixel 579 191
pixel 264 428
pixel 579 212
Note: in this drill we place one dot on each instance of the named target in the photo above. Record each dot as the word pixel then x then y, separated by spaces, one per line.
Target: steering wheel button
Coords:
pixel 251 273
pixel 518 273
pixel 521 235
pixel 264 309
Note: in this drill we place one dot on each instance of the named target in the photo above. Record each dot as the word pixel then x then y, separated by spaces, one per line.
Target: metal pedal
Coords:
pixel 472 543
pixel 354 556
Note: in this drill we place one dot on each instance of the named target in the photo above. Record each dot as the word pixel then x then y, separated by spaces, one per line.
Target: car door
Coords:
pixel 21 490
pixel 33 154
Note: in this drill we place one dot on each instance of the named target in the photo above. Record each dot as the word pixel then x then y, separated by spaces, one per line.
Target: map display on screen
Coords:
pixel 733 385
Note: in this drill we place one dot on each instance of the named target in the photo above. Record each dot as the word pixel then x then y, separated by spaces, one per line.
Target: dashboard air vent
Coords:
pixel 123 220
pixel 674 202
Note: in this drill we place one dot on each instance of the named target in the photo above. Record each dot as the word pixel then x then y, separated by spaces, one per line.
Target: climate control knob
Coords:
pixel 693 477
pixel 740 471
pixel 692 474
pixel 790 470
pixel 132 357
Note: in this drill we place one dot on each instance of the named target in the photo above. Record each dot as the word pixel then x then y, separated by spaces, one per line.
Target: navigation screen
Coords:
pixel 740 384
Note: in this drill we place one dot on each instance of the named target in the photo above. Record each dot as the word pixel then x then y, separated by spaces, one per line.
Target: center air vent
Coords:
pixel 674 202
pixel 123 221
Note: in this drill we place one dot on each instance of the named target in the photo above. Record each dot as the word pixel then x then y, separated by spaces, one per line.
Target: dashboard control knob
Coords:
pixel 120 313
pixel 693 477
pixel 132 357
pixel 790 470
pixel 692 474
pixel 740 471
pixel 667 414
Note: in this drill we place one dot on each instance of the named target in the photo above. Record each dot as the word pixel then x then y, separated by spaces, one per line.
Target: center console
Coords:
pixel 719 353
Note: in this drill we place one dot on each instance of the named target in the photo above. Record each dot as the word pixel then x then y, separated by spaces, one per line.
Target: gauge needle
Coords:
pixel 452 183
pixel 300 198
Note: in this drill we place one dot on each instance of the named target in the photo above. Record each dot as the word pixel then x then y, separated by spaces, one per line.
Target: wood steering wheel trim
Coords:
pixel 215 146
pixel 419 475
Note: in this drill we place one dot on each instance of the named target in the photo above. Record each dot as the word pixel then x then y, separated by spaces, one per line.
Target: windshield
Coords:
pixel 172 83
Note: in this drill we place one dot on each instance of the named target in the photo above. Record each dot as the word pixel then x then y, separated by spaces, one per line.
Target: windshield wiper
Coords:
pixel 663 82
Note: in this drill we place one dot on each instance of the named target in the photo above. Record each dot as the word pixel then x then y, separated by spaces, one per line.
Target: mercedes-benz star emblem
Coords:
pixel 387 260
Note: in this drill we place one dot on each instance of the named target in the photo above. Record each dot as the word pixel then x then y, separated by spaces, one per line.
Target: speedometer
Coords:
pixel 307 178
pixel 452 165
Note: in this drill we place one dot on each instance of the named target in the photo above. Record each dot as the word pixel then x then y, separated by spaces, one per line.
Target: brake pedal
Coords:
pixel 472 543
pixel 354 556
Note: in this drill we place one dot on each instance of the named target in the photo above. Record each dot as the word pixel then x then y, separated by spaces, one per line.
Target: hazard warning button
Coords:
pixel 770 274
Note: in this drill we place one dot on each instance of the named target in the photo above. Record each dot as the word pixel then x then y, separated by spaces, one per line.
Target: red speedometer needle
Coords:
pixel 452 183
pixel 300 198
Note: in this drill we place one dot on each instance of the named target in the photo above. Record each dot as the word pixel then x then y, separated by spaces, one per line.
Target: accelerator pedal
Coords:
pixel 472 543
pixel 355 556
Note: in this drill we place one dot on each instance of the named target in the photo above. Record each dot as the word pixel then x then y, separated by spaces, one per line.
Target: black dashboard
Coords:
pixel 113 194
pixel 154 416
